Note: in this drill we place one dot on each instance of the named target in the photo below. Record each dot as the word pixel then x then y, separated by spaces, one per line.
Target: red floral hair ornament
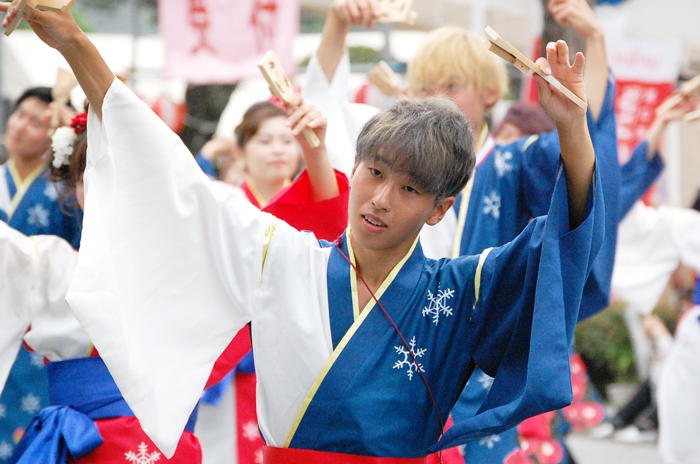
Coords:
pixel 79 123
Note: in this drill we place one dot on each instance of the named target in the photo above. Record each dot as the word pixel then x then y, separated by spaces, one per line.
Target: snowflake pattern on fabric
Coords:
pixel 437 304
pixel 50 192
pixel 258 456
pixel 407 361
pixel 502 163
pixel 36 360
pixel 250 431
pixel 485 380
pixel 38 216
pixel 492 205
pixel 490 441
pixel 5 450
pixel 31 403
pixel 3 411
pixel 143 457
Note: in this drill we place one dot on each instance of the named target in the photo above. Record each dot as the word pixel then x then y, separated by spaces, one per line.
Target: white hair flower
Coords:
pixel 62 144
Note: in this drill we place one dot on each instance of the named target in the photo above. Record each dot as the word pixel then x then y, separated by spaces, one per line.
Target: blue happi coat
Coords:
pixel 530 158
pixel 510 310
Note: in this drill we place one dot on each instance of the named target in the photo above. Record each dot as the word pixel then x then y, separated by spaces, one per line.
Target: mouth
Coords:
pixel 373 221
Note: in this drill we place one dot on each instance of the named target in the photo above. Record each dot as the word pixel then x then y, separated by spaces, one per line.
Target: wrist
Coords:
pixel 75 43
pixel 337 23
pixel 573 127
pixel 595 37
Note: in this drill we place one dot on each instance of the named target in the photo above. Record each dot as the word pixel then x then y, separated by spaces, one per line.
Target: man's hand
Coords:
pixel 560 108
pixel 577 14
pixel 57 30
pixel 355 12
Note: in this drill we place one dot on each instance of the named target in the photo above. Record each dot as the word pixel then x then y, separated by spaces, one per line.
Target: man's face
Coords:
pixel 470 102
pixel 27 130
pixel 387 210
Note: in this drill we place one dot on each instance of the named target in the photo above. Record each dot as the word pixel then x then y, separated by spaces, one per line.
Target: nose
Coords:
pixel 383 196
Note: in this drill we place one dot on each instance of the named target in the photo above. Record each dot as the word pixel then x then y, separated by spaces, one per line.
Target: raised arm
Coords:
pixel 578 156
pixel 658 126
pixel 579 15
pixel 318 166
pixel 342 15
pixel 59 31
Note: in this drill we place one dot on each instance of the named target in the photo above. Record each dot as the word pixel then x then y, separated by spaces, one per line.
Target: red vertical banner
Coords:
pixel 646 73
pixel 222 41
pixel 634 107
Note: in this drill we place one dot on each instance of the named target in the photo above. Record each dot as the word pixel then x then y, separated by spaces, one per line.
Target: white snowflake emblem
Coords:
pixel 502 163
pixel 485 380
pixel 50 192
pixel 492 205
pixel 258 458
pixel 38 216
pixel 490 441
pixel 250 430
pixel 407 360
pixel 31 403
pixel 3 411
pixel 143 457
pixel 5 450
pixel 36 360
pixel 437 305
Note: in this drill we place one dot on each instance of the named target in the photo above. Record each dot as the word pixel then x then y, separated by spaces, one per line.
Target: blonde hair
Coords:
pixel 450 52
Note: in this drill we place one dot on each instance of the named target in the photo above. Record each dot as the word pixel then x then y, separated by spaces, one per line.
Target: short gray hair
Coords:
pixel 429 140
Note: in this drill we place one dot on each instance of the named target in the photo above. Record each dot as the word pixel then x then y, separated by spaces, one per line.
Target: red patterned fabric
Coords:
pixel 326 219
pixel 125 441
pixel 298 456
pixel 250 443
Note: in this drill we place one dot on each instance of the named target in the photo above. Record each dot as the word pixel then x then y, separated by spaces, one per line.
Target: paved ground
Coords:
pixel 586 450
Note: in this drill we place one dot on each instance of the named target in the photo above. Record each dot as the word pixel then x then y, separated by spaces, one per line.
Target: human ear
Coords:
pixel 354 168
pixel 440 210
pixel 490 97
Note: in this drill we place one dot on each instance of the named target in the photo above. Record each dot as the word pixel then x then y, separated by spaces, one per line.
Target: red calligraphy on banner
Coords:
pixel 199 20
pixel 263 20
pixel 634 109
pixel 222 41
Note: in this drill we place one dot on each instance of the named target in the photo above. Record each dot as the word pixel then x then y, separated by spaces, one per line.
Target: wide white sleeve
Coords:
pixel 19 270
pixel 54 332
pixel 169 266
pixel 651 243
pixel 345 120
pixel 677 394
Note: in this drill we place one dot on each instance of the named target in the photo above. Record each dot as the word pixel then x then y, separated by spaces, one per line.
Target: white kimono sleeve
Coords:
pixel 54 331
pixel 35 275
pixel 19 264
pixel 345 120
pixel 166 261
pixel 677 395
pixel 651 243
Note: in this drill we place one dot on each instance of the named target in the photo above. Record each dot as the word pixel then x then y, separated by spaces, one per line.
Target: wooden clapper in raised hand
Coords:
pixel 26 6
pixel 500 46
pixel 281 87
pixel 397 11
pixel 386 80
pixel 684 90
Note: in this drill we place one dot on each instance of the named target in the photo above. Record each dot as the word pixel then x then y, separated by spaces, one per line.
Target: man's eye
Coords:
pixel 410 189
pixel 375 172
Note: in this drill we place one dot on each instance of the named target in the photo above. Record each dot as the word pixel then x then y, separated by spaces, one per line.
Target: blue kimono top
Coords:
pixel 331 376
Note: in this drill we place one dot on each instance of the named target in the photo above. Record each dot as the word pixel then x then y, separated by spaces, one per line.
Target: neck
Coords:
pixel 266 189
pixel 477 130
pixel 375 265
pixel 25 166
